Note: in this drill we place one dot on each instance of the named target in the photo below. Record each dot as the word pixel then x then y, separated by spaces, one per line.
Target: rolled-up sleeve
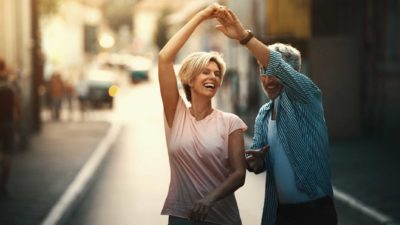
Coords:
pixel 298 86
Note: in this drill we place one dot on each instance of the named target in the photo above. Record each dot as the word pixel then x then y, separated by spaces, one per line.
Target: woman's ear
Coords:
pixel 190 83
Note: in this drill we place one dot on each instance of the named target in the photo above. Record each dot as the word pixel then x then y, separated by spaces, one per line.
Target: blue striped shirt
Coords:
pixel 302 131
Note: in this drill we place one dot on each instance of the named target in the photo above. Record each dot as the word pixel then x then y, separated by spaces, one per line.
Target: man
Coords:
pixel 290 139
pixel 8 112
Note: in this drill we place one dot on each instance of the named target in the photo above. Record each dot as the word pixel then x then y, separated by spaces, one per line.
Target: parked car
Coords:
pixel 138 67
pixel 99 82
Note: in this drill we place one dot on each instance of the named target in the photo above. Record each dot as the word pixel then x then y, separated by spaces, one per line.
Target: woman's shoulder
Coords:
pixel 231 120
pixel 227 115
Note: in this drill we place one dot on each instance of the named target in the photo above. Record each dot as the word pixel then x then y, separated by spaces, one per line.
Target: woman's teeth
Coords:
pixel 209 85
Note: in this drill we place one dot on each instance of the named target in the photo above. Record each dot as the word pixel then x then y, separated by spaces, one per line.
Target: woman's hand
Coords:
pixel 201 208
pixel 211 11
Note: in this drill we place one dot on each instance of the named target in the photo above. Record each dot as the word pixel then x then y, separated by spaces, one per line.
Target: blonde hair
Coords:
pixel 194 64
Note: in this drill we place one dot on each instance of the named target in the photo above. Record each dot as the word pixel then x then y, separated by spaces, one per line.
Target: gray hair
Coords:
pixel 290 54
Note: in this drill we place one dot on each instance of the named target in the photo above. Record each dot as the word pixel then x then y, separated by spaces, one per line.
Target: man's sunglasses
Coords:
pixel 263 71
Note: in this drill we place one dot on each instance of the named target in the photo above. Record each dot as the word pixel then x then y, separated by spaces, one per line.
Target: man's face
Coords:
pixel 271 85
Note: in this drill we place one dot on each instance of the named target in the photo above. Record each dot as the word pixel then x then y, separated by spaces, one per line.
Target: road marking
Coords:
pixel 80 182
pixel 365 209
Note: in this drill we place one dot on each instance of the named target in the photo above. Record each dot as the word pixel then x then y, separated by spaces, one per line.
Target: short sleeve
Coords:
pixel 179 115
pixel 236 123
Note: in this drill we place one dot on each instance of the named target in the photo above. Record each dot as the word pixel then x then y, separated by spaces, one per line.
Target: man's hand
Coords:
pixel 230 24
pixel 255 159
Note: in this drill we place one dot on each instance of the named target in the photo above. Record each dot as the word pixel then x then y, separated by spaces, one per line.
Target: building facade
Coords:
pixel 21 50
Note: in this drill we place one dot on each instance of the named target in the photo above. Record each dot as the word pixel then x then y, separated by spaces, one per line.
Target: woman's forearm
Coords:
pixel 170 50
pixel 229 186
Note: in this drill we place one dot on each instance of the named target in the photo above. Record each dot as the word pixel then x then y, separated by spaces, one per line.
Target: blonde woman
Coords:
pixel 205 145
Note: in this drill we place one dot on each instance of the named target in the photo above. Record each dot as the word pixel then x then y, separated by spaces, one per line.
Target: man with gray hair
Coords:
pixel 290 138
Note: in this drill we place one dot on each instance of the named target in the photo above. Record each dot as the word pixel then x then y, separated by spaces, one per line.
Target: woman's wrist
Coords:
pixel 200 17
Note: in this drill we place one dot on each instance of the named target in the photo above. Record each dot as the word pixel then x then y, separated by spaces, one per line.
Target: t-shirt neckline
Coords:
pixel 204 119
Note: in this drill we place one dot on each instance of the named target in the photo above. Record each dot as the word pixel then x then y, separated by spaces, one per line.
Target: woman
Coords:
pixel 205 145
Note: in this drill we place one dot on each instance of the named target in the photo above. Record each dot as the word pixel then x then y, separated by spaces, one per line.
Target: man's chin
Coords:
pixel 270 96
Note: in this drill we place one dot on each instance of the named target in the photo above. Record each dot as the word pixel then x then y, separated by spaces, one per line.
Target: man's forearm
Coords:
pixel 259 50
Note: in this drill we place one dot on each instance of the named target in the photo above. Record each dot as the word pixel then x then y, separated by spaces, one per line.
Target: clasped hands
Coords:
pixel 230 24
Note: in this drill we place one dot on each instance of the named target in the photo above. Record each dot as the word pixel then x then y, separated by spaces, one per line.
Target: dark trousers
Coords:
pixel 173 220
pixel 317 212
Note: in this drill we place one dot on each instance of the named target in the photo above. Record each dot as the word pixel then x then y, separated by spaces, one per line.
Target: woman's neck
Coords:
pixel 201 109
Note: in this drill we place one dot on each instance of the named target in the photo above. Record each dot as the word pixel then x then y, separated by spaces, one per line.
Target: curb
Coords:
pixel 366 210
pixel 75 190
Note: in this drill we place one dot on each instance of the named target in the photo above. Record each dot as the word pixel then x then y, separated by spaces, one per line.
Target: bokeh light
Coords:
pixel 113 90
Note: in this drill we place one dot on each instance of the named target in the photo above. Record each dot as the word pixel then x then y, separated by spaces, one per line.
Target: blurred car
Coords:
pixel 99 82
pixel 138 67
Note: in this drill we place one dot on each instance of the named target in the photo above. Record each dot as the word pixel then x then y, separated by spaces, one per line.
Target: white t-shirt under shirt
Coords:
pixel 198 157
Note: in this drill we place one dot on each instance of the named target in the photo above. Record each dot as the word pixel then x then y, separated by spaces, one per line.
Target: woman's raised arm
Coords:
pixel 166 58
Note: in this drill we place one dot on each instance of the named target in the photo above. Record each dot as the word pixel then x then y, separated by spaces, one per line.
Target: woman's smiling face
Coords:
pixel 208 81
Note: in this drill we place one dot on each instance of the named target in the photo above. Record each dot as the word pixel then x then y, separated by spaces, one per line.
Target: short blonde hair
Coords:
pixel 194 64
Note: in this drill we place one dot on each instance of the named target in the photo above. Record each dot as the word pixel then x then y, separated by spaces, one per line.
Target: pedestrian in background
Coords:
pixel 56 95
pixel 290 138
pixel 9 114
pixel 69 97
pixel 82 89
pixel 205 145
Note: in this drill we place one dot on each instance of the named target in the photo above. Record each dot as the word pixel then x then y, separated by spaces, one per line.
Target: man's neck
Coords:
pixel 273 112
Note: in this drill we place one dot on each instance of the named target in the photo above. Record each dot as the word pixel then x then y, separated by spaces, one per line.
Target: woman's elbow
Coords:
pixel 163 57
pixel 241 178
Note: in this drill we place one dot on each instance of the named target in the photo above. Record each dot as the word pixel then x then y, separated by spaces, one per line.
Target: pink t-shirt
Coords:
pixel 198 157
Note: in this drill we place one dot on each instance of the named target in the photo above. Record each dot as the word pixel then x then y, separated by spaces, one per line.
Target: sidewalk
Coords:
pixel 41 174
